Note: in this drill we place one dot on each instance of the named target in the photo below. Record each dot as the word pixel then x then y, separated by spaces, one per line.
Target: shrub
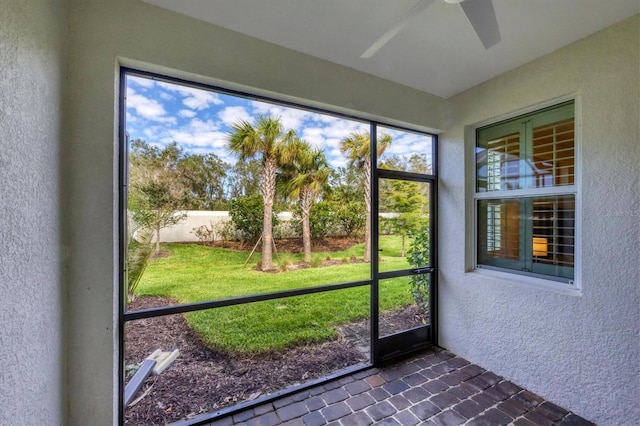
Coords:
pixel 388 225
pixel 316 262
pixel 285 265
pixel 418 256
pixel 247 214
pixel 333 219
pixel 205 234
pixel 350 218
pixel 321 220
pixel 227 230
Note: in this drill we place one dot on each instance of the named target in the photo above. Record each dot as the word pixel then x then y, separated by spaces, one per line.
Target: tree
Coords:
pixel 265 141
pixel 305 172
pixel 204 179
pixel 406 199
pixel 156 191
pixel 346 185
pixel 357 146
pixel 244 179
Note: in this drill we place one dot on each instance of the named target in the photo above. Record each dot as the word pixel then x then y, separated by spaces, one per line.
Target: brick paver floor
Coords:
pixel 433 388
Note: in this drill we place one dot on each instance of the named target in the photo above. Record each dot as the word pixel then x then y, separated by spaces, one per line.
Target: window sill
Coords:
pixel 525 281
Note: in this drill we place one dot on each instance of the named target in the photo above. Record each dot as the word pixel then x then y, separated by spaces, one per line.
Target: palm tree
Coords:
pixel 305 172
pixel 264 141
pixel 357 146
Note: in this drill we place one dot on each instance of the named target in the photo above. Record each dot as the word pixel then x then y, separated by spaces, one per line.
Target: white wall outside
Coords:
pixel 183 231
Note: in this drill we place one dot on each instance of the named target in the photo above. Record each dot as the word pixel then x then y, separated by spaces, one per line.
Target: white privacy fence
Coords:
pixel 184 230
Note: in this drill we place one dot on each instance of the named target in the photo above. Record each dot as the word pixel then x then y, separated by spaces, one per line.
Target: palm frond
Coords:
pixel 242 140
pixel 139 251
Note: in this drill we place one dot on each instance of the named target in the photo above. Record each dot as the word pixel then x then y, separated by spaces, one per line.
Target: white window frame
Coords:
pixel 504 275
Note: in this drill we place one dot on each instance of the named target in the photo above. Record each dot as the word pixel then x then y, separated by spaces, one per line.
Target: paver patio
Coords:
pixel 432 388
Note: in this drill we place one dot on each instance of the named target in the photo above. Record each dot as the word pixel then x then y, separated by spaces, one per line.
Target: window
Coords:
pixel 525 194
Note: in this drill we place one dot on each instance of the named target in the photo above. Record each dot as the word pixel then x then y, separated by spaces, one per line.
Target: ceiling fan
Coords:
pixel 480 14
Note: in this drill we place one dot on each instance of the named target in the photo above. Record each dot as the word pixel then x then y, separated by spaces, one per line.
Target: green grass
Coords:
pixel 194 273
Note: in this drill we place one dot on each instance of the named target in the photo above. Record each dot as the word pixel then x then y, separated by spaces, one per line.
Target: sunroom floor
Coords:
pixel 435 387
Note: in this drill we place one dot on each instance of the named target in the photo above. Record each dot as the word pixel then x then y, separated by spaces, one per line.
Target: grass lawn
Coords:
pixel 194 273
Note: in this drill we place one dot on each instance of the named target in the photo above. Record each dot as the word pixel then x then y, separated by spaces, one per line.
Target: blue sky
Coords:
pixel 200 121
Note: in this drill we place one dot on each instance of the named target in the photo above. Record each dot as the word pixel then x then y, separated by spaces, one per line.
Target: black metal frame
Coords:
pixel 403 343
pixel 376 345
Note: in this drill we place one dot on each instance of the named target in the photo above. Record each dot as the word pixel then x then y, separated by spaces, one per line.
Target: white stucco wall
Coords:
pixel 104 34
pixel 31 312
pixel 579 351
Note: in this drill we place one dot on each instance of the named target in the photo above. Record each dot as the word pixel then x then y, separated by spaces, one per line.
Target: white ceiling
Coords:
pixel 437 52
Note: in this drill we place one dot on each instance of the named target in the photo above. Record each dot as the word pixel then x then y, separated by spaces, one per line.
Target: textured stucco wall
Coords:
pixel 31 315
pixel 580 351
pixel 103 34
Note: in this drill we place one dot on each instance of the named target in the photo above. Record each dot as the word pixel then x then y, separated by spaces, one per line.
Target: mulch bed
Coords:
pixel 293 245
pixel 203 380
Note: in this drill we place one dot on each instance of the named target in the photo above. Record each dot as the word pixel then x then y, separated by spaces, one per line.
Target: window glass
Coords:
pixel 535 151
pixel 553 154
pixel 498 162
pixel 535 235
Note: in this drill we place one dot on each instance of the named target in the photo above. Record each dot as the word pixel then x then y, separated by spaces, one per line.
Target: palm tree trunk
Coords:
pixel 268 195
pixel 305 206
pixel 367 203
pixel 157 226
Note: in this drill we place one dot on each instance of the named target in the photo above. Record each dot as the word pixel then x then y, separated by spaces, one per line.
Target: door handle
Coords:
pixel 422 270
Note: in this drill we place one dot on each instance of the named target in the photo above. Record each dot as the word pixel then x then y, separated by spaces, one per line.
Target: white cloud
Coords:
pixel 231 115
pixel 314 136
pixel 131 118
pixel 193 98
pixel 147 108
pixel 155 135
pixel 291 118
pixel 166 96
pixel 410 143
pixel 198 125
pixel 141 81
pixel 199 133
pixel 187 113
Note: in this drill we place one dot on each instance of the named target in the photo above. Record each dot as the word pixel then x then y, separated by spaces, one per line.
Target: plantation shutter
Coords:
pixel 553 154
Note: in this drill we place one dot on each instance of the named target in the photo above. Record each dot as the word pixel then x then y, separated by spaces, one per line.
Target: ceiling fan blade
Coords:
pixel 482 17
pixel 399 26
